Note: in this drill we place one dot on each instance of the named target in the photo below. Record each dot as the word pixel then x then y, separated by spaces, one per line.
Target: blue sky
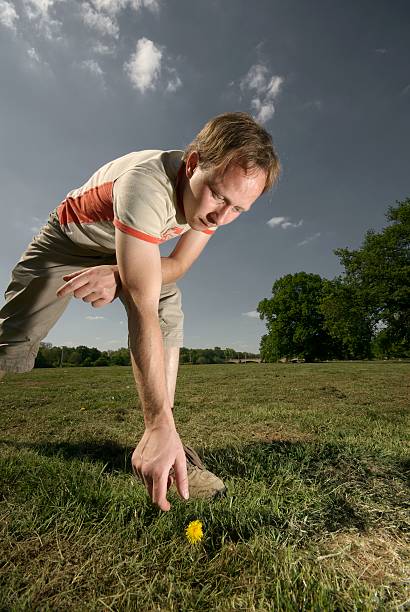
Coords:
pixel 84 82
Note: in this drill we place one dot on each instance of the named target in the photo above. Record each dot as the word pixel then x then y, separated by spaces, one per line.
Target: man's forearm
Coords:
pixel 171 270
pixel 147 355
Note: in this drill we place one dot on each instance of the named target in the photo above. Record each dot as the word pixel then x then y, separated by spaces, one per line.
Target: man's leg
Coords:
pixel 171 370
pixel 32 306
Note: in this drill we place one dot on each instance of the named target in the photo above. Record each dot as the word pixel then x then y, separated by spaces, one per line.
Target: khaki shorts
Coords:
pixel 32 307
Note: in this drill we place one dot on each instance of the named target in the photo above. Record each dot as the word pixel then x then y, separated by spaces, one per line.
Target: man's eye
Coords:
pixel 236 209
pixel 216 196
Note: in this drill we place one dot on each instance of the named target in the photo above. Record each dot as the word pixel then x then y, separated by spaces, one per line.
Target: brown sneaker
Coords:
pixel 201 482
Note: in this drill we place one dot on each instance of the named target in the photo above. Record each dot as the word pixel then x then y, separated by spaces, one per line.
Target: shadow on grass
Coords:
pixel 115 457
pixel 309 478
pixel 257 461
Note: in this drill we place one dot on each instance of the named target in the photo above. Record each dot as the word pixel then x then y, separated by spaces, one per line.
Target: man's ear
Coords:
pixel 191 164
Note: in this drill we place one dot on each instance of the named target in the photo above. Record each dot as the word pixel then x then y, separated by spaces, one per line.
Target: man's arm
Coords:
pixel 100 285
pixel 187 250
pixel 160 448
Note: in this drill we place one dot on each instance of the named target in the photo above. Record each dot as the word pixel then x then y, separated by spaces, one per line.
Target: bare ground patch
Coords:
pixel 378 557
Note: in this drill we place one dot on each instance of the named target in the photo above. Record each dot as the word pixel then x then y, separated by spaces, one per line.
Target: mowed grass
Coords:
pixel 315 457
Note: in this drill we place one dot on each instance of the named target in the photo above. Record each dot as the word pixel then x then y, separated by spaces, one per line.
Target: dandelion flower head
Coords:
pixel 194 532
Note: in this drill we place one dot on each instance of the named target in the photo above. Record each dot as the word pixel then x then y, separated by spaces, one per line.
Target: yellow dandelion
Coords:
pixel 194 532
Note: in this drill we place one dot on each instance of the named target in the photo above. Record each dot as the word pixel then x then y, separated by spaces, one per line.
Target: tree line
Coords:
pixel 364 313
pixel 50 356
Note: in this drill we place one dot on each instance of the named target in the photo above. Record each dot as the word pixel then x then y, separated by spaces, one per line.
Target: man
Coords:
pixel 103 240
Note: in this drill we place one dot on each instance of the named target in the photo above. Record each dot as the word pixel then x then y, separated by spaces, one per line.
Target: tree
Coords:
pixel 378 273
pixel 48 356
pixel 294 320
pixel 347 319
pixel 120 357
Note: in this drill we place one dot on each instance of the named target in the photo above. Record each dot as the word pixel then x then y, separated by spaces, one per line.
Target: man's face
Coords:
pixel 212 199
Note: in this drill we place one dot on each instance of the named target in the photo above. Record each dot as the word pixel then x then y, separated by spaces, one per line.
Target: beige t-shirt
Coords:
pixel 135 193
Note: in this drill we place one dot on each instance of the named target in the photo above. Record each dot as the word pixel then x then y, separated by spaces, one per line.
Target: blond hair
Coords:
pixel 236 138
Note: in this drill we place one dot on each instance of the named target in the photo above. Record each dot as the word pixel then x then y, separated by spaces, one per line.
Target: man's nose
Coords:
pixel 221 214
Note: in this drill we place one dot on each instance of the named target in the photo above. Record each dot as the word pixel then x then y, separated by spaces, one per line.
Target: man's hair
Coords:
pixel 236 138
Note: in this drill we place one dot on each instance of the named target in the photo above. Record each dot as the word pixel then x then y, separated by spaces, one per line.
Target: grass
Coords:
pixel 315 457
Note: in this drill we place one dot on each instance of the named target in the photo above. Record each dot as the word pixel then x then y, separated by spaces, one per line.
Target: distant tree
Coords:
pixel 120 357
pixel 73 358
pixel 378 273
pixel 89 355
pixel 229 353
pixel 201 360
pixel 347 319
pixel 48 356
pixel 42 360
pixel 102 361
pixel 294 320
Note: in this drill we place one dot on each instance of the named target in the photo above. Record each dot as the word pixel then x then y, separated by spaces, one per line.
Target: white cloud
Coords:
pixel 265 90
pixel 113 7
pixel 144 66
pixel 105 25
pixel 309 239
pixel 93 67
pixel 8 15
pixel 288 224
pixel 174 82
pixel 255 79
pixel 102 49
pixel 252 314
pixel 33 55
pixel 152 5
pixel 264 110
pixel 276 221
pixel 381 50
pixel 39 11
pixel 283 222
pixel 96 318
pixel 274 86
pixel 38 8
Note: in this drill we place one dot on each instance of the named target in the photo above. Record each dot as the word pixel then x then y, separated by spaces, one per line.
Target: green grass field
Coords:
pixel 315 458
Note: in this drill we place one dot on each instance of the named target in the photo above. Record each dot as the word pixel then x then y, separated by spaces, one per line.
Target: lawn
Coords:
pixel 315 457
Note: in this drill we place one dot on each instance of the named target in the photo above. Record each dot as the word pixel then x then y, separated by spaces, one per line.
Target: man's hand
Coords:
pixel 159 450
pixel 99 285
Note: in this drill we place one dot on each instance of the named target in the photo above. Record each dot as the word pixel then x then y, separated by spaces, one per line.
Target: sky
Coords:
pixel 83 82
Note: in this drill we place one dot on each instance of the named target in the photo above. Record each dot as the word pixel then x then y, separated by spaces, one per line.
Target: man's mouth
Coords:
pixel 208 225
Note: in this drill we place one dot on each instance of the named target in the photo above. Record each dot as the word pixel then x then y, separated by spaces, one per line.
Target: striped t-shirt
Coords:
pixel 135 193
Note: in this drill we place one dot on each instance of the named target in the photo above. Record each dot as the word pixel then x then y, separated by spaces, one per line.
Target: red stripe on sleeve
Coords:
pixel 136 233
